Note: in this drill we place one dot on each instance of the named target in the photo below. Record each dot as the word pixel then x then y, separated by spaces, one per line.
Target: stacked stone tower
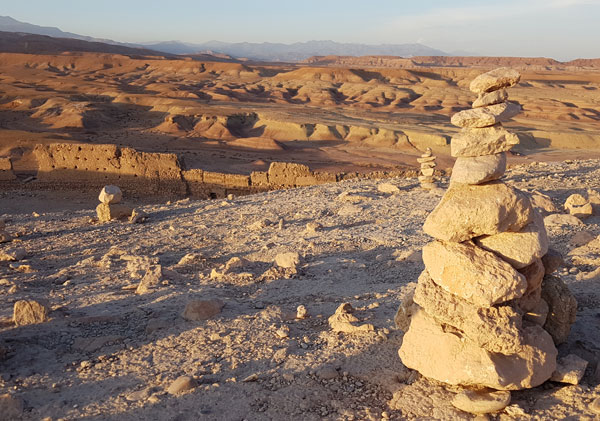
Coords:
pixel 479 315
pixel 427 161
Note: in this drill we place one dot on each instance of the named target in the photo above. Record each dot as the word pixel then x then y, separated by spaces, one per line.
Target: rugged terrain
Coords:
pixel 108 353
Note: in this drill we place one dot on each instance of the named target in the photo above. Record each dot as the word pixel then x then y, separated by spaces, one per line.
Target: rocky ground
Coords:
pixel 109 353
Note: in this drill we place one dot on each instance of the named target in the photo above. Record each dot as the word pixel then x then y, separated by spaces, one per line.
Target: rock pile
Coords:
pixel 478 317
pixel 110 206
pixel 427 161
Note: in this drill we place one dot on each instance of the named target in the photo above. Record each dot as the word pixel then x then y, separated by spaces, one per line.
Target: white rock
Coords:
pixel 477 170
pixel 287 260
pixel 486 116
pixel 110 195
pixel 503 77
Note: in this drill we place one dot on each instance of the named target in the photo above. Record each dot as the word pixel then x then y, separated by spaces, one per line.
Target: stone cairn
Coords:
pixel 427 161
pixel 110 206
pixel 486 313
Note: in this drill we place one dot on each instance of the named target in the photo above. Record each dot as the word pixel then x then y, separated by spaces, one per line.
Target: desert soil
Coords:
pixel 107 353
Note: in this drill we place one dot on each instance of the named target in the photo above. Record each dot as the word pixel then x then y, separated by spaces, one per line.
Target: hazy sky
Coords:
pixel 562 29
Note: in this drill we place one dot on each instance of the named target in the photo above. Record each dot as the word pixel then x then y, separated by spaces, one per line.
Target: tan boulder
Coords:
pixel 449 357
pixel 485 209
pixel 562 308
pixel 197 310
pixel 569 369
pixel 561 220
pixel 484 141
pixel 108 212
pixel 486 116
pixel 539 314
pixel 27 312
pixel 495 329
pixel 110 195
pixel 490 98
pixel 534 273
pixel 578 206
pixel 543 203
pixel 581 238
pixel 344 321
pixel 519 248
pixel 503 77
pixel 480 169
pixel 473 274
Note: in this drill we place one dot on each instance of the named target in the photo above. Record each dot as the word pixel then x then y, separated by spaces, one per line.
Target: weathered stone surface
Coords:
pixel 12 254
pixel 472 273
pixel 581 238
pixel 560 220
pixel 388 188
pixel 451 358
pixel 181 384
pixel 28 312
pixel 486 209
pixel 484 141
pixel 534 273
pixel 108 212
pixel 569 369
pixel 490 98
pixel 486 116
pixel 519 248
pixel 539 314
pixel 531 300
pixel 5 237
pixel 495 329
pixel 578 206
pixel 287 260
pixel 427 172
pixel 153 277
pixel 552 260
pixel 407 308
pixel 503 77
pixel 543 203
pixel 110 195
pixel 480 169
pixel 344 321
pixel 482 401
pixel 425 159
pixel 197 310
pixel 563 308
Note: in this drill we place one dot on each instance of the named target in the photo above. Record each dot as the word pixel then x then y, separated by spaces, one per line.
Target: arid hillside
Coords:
pixel 335 114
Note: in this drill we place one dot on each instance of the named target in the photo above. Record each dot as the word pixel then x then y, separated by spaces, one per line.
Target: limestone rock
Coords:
pixel 197 310
pixel 484 141
pixel 287 260
pixel 181 384
pixel 486 116
pixel 388 188
pixel 11 407
pixel 406 309
pixel 487 209
pixel 563 308
pixel 552 260
pixel 477 170
pixel 108 212
pixel 28 312
pixel 152 278
pixel 495 329
pixel 543 203
pixel 578 206
pixel 452 358
pixel 494 80
pixel 581 239
pixel 534 273
pixel 473 274
pixel 569 369
pixel 519 248
pixel 490 98
pixel 482 401
pixel 561 220
pixel 539 314
pixel 344 321
pixel 110 195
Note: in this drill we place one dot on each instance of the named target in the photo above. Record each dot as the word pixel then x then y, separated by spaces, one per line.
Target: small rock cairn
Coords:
pixel 110 206
pixel 484 314
pixel 427 161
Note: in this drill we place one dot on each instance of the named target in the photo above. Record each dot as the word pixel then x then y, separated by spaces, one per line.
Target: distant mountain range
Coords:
pixel 254 51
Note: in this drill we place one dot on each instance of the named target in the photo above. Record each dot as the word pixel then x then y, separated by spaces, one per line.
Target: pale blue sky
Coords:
pixel 562 29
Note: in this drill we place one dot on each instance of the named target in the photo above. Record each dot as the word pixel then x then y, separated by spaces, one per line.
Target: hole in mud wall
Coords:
pixel 212 195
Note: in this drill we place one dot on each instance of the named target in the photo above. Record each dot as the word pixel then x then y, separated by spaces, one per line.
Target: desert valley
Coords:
pixel 264 254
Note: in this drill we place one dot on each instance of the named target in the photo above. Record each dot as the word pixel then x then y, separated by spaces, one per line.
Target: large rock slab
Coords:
pixel 495 329
pixel 486 116
pixel 483 141
pixel 477 170
pixel 520 248
pixel 503 77
pixel 449 357
pixel 562 308
pixel 490 98
pixel 473 274
pixel 468 211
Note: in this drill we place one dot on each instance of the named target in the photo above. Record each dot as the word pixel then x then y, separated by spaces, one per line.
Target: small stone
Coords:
pixel 578 206
pixel 235 263
pixel 287 260
pixel 480 169
pixel 486 116
pixel 202 309
pixel 12 254
pixel 569 369
pixel 327 372
pixel 427 172
pixel 561 220
pixel 110 195
pixel 490 98
pixel 5 237
pixel 482 402
pixel 281 224
pixel 473 142
pixel 388 188
pixel 108 212
pixel 562 308
pixel 313 227
pixel 503 77
pixel 27 312
pixel 543 203
pixel 283 332
pixel 581 239
pixel 11 407
pixel 137 216
pixel 301 312
pixel 152 279
pixel 182 384
pixel 344 321
pixel 423 160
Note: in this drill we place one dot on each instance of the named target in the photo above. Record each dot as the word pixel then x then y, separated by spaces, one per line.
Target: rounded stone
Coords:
pixel 110 195
pixel 482 402
pixel 181 384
